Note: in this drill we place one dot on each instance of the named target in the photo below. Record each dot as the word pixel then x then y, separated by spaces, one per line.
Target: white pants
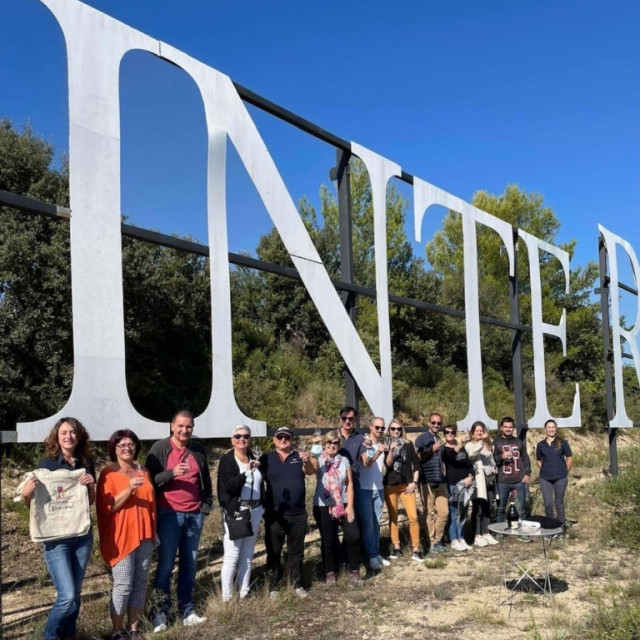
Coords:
pixel 239 554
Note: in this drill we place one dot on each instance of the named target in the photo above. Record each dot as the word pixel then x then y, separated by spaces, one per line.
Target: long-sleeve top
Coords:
pixel 122 530
pixel 511 470
pixel 457 464
pixel 231 480
pixel 405 465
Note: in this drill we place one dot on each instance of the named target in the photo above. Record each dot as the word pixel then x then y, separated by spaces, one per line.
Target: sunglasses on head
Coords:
pixel 283 436
pixel 241 436
pixel 449 432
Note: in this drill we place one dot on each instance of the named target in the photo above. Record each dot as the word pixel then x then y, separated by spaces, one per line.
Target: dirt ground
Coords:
pixel 449 595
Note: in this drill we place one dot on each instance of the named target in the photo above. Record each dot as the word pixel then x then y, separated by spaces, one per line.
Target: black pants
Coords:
pixel 330 540
pixel 482 510
pixel 278 528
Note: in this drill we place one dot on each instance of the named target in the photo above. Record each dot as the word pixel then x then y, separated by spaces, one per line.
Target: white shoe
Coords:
pixel 193 619
pixel 464 545
pixel 480 542
pixel 383 561
pixel 301 592
pixel 273 595
pixel 455 545
pixel 489 539
pixel 159 622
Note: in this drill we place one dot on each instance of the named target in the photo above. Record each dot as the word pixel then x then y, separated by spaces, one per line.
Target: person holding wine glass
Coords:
pixel 334 508
pixel 180 474
pixel 66 447
pixel 401 482
pixel 126 508
pixel 240 488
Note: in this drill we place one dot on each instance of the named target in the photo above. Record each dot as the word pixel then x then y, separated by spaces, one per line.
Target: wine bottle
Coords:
pixel 512 512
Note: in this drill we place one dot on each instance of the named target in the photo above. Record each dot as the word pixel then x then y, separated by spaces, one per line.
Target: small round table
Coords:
pixel 545 535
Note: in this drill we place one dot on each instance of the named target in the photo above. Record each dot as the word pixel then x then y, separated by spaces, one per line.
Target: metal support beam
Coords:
pixel 341 173
pixel 608 355
pixel 516 346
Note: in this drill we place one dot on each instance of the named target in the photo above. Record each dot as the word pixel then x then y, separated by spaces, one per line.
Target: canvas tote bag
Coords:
pixel 59 507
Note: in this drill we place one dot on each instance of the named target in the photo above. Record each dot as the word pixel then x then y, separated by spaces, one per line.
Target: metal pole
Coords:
pixel 516 346
pixel 341 173
pixel 608 355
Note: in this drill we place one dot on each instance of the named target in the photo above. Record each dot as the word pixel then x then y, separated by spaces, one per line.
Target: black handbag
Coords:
pixel 239 524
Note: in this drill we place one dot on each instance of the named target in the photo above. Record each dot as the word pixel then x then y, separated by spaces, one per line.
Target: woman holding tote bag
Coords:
pixel 66 447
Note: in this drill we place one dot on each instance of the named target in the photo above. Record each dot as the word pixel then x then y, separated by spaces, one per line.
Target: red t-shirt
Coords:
pixel 183 493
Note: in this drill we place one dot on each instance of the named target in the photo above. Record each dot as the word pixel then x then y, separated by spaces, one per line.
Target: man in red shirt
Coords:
pixel 180 473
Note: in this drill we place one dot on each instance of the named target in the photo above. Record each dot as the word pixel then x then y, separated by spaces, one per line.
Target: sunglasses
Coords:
pixel 126 446
pixel 395 428
pixel 347 418
pixel 283 436
pixel 334 443
pixel 241 436
pixel 449 432
pixel 378 428
pixel 436 424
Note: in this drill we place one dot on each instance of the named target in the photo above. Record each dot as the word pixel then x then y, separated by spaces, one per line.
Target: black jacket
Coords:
pixel 156 463
pixel 230 482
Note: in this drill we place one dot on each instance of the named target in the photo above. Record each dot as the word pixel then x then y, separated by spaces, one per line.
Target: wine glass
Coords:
pixel 256 452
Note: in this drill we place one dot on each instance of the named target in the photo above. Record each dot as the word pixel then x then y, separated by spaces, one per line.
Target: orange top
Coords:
pixel 122 531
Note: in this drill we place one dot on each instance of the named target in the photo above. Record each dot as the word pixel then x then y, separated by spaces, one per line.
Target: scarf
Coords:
pixel 333 484
pixel 462 496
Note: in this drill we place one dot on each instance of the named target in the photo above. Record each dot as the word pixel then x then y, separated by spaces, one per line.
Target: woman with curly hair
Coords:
pixel 66 447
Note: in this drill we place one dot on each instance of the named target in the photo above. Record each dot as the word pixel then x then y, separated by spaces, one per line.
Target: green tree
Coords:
pixel 529 213
pixel 35 288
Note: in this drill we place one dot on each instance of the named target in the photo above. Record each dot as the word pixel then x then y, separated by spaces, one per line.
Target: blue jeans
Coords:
pixel 369 503
pixel 67 562
pixel 455 530
pixel 177 530
pixel 504 490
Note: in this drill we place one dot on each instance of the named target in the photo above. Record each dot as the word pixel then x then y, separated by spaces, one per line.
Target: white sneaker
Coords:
pixel 464 546
pixel 301 592
pixel 480 542
pixel 273 595
pixel 193 619
pixel 159 622
pixel 383 561
pixel 489 539
pixel 455 545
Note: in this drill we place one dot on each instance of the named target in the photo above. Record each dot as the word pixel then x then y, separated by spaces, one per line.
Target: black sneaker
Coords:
pixel 417 555
pixel 395 553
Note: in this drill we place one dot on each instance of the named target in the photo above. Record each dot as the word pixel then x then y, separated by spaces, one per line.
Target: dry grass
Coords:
pixel 448 595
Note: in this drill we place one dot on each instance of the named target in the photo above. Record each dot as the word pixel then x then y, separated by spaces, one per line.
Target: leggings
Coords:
pixel 553 492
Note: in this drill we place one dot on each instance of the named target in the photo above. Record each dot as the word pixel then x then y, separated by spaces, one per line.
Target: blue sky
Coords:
pixel 467 95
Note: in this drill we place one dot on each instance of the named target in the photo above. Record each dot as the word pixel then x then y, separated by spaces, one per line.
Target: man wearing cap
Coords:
pixel 285 518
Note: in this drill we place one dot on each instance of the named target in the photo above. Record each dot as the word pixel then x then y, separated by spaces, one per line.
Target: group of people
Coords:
pixel 477 470
pixel 162 503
